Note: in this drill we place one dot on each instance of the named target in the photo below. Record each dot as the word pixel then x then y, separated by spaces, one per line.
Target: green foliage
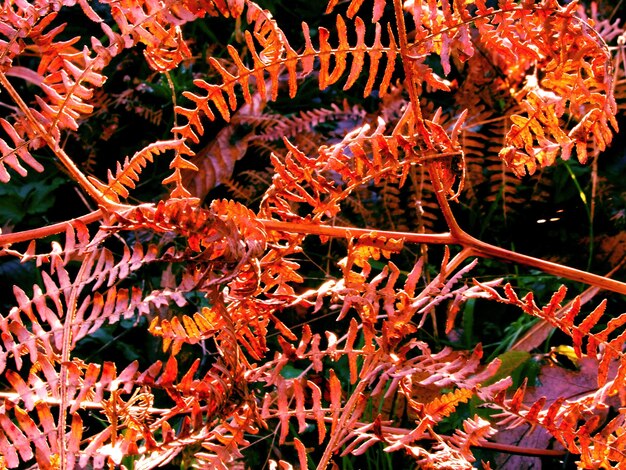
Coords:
pixel 24 203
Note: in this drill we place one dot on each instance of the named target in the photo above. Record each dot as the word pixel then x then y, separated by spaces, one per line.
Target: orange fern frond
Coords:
pixel 475 432
pixel 223 98
pixel 149 22
pixel 87 386
pixel 127 174
pixel 611 349
pixel 190 330
pixel 102 267
pixel 576 424
pixel 446 404
pixel 37 320
pixel 216 161
pixel 588 100
pixel 20 433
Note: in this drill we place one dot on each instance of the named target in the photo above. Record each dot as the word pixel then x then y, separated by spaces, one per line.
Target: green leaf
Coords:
pixel 290 372
pixel 511 360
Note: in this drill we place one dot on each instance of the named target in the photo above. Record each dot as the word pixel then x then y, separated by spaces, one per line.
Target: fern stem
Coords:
pixel 348 232
pixel 511 449
pixel 478 247
pixel 408 71
pixel 15 397
pixel 33 234
pixel 440 194
pixel 490 251
pixel 450 267
pixel 64 404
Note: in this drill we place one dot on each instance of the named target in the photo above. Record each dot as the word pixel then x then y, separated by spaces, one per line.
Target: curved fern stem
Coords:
pixel 42 232
pixel 490 251
pixel 478 247
pixel 486 250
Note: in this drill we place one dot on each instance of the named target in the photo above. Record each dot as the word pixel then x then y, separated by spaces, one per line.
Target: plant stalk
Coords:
pixel 478 247
pixel 33 234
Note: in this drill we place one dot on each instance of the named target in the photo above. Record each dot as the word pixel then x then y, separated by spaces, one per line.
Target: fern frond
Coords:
pixel 66 77
pixel 103 267
pixel 39 329
pixel 455 451
pixel 20 437
pixel 76 239
pixel 180 164
pixel 87 384
pixel 216 161
pixel 31 333
pixel 190 330
pixel 158 25
pixel 307 120
pixel 489 178
pixel 17 437
pixel 223 98
pixel 567 88
pixel 69 78
pixel 578 88
pixel 127 174
pixel 119 304
pixel 228 233
pixel 576 424
pixel 445 405
pixel 605 25
pixel 461 372
pixel 298 391
pixel 68 91
pixel 475 432
pixel 612 349
pixel 364 155
pixel 217 447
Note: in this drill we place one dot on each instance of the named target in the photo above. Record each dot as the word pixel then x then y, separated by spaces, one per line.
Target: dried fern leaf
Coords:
pixel 127 174
pixel 223 98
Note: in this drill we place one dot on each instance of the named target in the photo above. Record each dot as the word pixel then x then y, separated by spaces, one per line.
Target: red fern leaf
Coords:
pixel 36 437
pixel 446 404
pixel 19 442
pixel 335 399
